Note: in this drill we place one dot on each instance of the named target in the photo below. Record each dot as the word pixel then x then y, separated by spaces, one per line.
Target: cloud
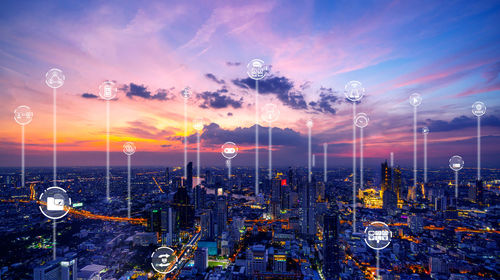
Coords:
pixel 282 87
pixel 229 63
pixel 212 77
pixel 134 90
pixel 217 100
pixel 89 95
pixel 461 122
pixel 214 134
pixel 327 99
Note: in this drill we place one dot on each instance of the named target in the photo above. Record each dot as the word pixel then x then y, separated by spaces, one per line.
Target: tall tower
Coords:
pixel 189 174
pixel 331 251
pixel 221 214
pixel 386 177
pixel 308 218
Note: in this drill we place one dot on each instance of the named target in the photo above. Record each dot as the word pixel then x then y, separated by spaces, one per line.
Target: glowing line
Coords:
pixel 107 151
pixel 198 156
pixel 185 138
pixel 54 239
pixel 129 203
pixel 228 168
pixel 478 148
pixel 325 154
pixel 456 184
pixel 361 162
pixel 353 168
pixel 425 158
pixel 270 152
pixel 378 265
pixel 54 133
pixel 309 157
pixel 415 146
pixel 256 137
pixel 22 156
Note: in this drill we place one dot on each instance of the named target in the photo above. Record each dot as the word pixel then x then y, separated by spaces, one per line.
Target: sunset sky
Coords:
pixel 448 51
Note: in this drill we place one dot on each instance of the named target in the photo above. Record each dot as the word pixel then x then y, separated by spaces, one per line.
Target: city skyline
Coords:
pixel 312 57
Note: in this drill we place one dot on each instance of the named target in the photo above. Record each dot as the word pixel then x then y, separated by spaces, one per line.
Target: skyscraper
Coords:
pixel 331 250
pixel 386 177
pixel 308 217
pixel 221 214
pixel 189 174
pixel 184 210
pixel 207 225
pixel 201 259
pixel 398 184
pixel 60 268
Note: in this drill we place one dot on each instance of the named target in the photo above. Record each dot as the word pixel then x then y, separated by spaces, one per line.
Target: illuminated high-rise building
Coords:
pixel 308 214
pixel 184 209
pixel 386 177
pixel 221 214
pixel 398 184
pixel 59 269
pixel 207 225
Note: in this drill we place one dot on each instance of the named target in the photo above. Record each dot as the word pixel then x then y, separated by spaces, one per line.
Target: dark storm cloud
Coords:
pixel 282 87
pixel 218 99
pixel 327 99
pixel 212 77
pixel 461 122
pixel 214 134
pixel 89 95
pixel 229 63
pixel 134 90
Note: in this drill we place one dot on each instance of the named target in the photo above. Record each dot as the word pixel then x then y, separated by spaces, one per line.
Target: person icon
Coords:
pixel 478 109
pixel 270 112
pixel 54 78
pixel 354 91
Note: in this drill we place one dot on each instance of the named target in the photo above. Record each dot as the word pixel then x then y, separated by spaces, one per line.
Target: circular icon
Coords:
pixel 354 91
pixel 256 69
pixel 361 120
pixel 163 260
pixel 23 115
pixel 186 92
pixel 309 123
pixel 270 112
pixel 415 99
pixel 229 150
pixel 456 163
pixel 129 148
pixel 198 124
pixel 107 90
pixel 54 78
pixel 55 203
pixel 377 235
pixel 478 108
pixel 425 130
